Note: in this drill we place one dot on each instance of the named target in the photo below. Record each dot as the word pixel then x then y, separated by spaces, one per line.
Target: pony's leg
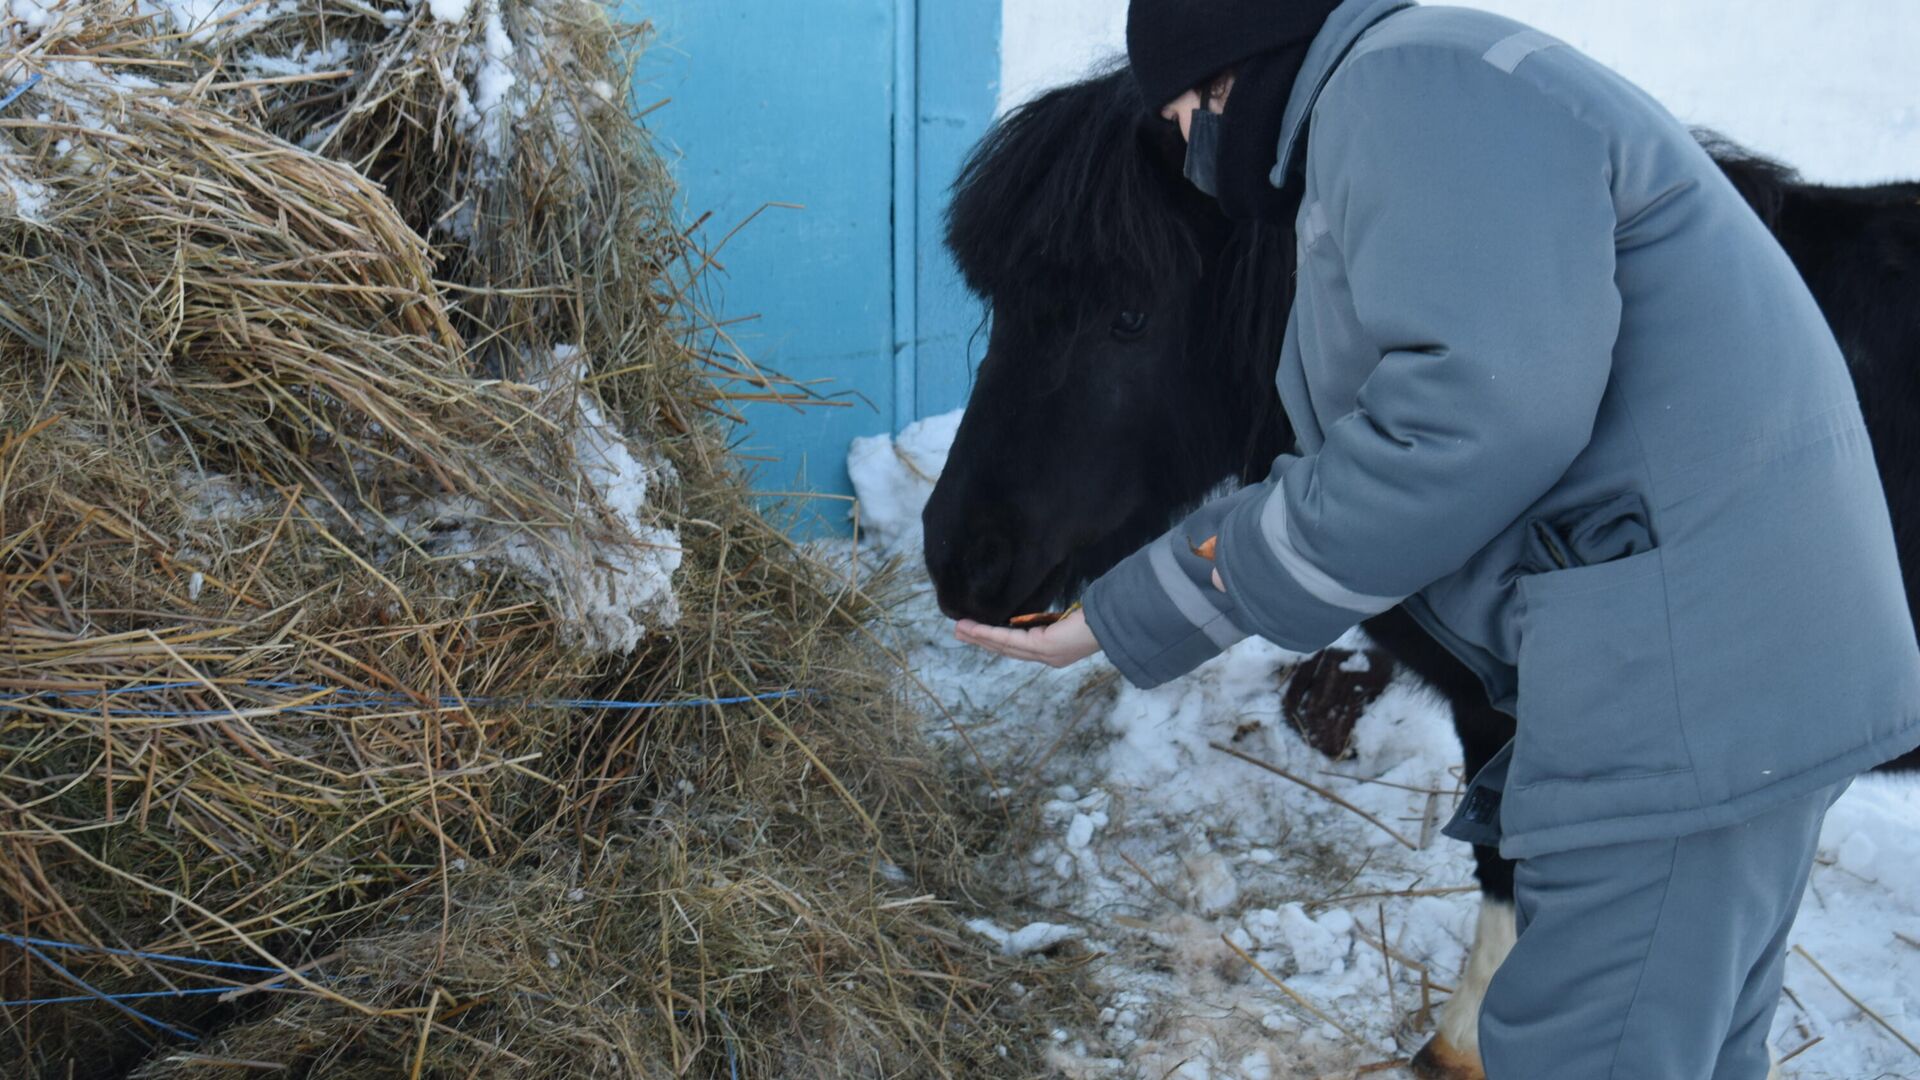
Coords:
pixel 1454 1051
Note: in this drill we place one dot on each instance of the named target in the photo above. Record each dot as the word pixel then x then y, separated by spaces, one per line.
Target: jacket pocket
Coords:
pixel 1596 680
pixel 1613 528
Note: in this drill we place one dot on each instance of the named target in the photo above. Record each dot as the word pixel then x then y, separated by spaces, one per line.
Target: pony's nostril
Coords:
pixel 977 553
pixel 989 557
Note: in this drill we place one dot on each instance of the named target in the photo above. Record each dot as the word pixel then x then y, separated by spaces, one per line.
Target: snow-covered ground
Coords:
pixel 1207 883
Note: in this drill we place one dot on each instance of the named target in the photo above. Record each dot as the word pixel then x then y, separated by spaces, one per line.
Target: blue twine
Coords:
pixel 137 955
pixel 733 1063
pixel 363 698
pixel 98 995
pixel 32 945
pixel 18 90
pixel 196 991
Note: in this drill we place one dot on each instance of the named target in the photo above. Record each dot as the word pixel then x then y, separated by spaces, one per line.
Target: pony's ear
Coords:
pixel 1160 140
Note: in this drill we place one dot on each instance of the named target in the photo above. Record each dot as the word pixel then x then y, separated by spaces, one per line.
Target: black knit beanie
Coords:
pixel 1175 45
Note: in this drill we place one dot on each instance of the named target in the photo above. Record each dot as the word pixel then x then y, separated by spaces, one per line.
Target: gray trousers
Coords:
pixel 1656 960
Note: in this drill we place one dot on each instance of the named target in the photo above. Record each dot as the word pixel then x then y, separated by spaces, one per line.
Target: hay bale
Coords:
pixel 359 469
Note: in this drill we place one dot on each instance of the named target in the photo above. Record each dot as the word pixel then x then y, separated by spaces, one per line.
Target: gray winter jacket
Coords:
pixel 1559 392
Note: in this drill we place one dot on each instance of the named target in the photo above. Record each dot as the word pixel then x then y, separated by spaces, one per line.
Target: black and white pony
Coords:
pixel 1129 374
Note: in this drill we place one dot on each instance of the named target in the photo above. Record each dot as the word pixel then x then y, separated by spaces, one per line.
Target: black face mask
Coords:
pixel 1203 151
pixel 1231 153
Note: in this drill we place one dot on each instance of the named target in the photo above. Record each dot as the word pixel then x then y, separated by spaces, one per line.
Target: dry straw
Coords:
pixel 351 410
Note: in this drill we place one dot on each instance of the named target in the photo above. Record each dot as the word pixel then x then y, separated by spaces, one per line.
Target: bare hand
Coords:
pixel 1066 642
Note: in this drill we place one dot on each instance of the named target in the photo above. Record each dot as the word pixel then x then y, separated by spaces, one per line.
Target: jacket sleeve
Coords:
pixel 1156 614
pixel 1474 219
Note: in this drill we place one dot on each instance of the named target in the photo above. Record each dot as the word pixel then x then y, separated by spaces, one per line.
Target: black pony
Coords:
pixel 1126 307
pixel 1123 379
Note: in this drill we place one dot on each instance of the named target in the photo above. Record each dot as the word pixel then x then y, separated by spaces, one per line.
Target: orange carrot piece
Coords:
pixel 1041 618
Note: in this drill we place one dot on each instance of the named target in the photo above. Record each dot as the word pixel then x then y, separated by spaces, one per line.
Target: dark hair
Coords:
pixel 1069 185
pixel 1078 194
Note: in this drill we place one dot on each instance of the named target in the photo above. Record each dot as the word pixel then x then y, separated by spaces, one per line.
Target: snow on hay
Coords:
pixel 352 434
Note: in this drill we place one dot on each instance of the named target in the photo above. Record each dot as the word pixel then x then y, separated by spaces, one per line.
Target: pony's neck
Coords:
pixel 1245 295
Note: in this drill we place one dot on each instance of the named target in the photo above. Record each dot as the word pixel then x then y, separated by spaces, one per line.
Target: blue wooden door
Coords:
pixel 858 111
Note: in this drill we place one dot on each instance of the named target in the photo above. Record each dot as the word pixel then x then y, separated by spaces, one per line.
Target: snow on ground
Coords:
pixel 1184 866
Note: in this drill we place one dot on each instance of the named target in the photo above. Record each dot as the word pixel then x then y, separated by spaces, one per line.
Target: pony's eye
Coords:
pixel 1129 324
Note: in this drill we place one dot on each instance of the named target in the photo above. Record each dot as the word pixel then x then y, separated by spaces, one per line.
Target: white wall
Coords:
pixel 1047 42
pixel 1831 86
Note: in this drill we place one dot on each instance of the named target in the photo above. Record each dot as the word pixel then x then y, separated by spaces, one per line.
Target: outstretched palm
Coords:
pixel 1068 641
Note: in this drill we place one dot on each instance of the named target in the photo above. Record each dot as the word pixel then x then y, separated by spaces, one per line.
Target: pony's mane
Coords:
pixel 1077 197
pixel 1067 187
pixel 1762 181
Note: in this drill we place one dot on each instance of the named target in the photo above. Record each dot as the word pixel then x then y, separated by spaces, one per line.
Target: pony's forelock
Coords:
pixel 1058 199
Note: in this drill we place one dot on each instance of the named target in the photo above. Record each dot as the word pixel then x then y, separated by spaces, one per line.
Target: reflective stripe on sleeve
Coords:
pixel 1187 597
pixel 1508 52
pixel 1273 526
